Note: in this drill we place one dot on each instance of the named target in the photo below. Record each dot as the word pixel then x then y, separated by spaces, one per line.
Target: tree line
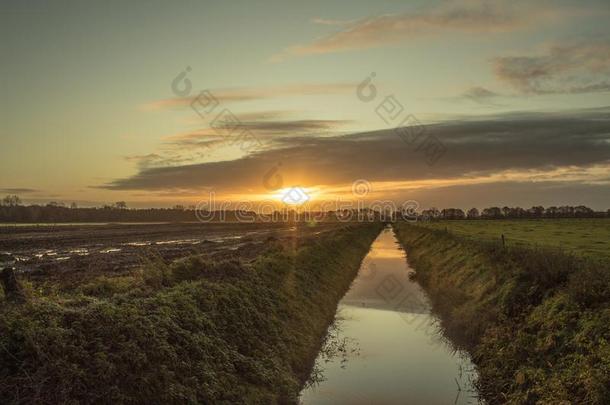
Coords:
pixel 12 210
pixel 538 211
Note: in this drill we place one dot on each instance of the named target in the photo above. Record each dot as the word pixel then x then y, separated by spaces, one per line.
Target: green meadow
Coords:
pixel 587 236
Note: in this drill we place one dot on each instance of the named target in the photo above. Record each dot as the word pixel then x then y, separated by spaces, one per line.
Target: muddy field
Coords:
pixel 78 252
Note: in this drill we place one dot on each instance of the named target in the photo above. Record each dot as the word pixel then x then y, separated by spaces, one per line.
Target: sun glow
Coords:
pixel 295 195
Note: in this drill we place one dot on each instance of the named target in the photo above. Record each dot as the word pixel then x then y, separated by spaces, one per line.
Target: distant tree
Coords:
pixel 566 211
pixel 519 212
pixel 179 207
pixel 452 213
pixel 551 212
pixel 583 211
pixel 492 213
pixel 473 213
pixel 431 213
pixel 506 211
pixel 52 204
pixel 73 206
pixel 121 205
pixel 11 201
pixel 536 211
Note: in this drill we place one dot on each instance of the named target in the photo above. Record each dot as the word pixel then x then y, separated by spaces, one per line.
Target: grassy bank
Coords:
pixel 190 332
pixel 535 320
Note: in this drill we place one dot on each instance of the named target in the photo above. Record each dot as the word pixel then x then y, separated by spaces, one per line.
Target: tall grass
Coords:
pixel 190 332
pixel 536 321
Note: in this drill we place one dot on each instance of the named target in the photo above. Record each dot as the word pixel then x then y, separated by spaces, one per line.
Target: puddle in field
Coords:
pixel 386 347
pixel 179 242
pixel 80 251
pixel 111 250
pixel 145 243
pixel 38 256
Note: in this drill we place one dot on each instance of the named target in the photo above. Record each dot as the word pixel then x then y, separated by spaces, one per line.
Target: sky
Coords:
pixel 448 103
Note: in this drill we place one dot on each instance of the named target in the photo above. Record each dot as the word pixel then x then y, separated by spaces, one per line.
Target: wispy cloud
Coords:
pixel 460 16
pixel 262 129
pixel 199 145
pixel 144 162
pixel 256 93
pixel 202 138
pixel 479 95
pixel 329 21
pixel 17 190
pixel 566 68
pixel 293 127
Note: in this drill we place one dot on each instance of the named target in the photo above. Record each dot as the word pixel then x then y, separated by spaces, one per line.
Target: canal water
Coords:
pixel 386 347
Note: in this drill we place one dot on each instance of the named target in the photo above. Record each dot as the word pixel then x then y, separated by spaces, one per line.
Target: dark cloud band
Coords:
pixel 476 147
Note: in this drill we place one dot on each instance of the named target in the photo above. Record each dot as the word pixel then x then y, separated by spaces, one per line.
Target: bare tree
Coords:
pixel 11 201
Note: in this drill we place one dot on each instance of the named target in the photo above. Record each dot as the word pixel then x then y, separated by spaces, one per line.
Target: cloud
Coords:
pixel 17 190
pixel 327 21
pixel 479 95
pixel 144 162
pixel 566 68
pixel 527 147
pixel 263 129
pixel 293 127
pixel 224 96
pixel 264 115
pixel 190 147
pixel 460 16
pixel 205 138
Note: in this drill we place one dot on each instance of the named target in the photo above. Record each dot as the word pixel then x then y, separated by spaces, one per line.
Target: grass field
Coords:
pixel 588 237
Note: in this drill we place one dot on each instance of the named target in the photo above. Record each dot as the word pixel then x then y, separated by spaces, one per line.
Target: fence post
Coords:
pixel 503 241
pixel 12 288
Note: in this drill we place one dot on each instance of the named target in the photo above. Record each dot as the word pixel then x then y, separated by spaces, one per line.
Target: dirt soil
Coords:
pixel 79 252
